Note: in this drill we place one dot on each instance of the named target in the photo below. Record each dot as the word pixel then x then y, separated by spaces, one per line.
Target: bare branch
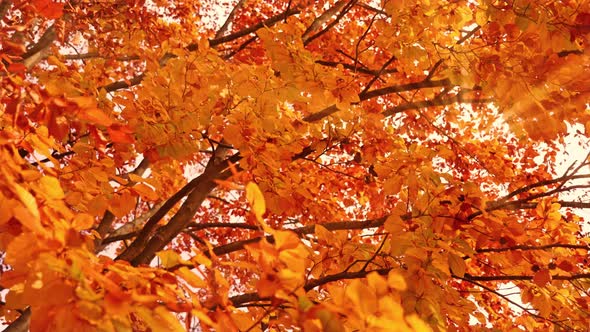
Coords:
pixel 323 18
pixel 108 218
pixel 506 298
pixel 526 247
pixel 4 7
pixel 362 70
pixel 435 102
pixel 21 324
pixel 524 277
pixel 343 12
pixel 405 87
pixel 36 52
pixel 229 20
pixel 344 225
pixel 374 79
pixel 244 32
pixel 389 90
pixel 252 297
pixel 468 35
pixel 182 218
pixel 143 237
pixel 213 42
pixel 201 226
pixel 123 84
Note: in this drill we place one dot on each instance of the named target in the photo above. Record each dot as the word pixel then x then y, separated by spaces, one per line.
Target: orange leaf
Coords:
pixel 120 134
pixel 457 265
pixel 95 116
pixel 32 219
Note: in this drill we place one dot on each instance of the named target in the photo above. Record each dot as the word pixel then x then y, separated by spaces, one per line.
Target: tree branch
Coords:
pixel 388 90
pixel 4 7
pixel 36 52
pixel 252 297
pixel 144 235
pixel 527 310
pixel 323 18
pixel 343 12
pixel 229 19
pixel 361 70
pixel 212 42
pixel 435 102
pixel 21 324
pixel 333 226
pixel 372 223
pixel 182 218
pixel 246 31
pixel 528 247
pixel 523 277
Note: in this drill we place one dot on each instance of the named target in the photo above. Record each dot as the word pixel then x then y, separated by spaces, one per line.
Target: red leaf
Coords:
pixel 566 266
pixel 48 8
pixel 542 277
pixel 16 68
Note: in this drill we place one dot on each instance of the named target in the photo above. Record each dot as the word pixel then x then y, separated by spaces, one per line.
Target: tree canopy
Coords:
pixel 243 165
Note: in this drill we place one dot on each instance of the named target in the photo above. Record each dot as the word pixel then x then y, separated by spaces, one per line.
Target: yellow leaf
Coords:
pixel 396 281
pixel 95 116
pixel 417 324
pixel 135 178
pixel 191 277
pixel 31 218
pixel 169 258
pixel 330 323
pixel 256 199
pixel 84 101
pixel 457 265
pixel 286 240
pixel 51 187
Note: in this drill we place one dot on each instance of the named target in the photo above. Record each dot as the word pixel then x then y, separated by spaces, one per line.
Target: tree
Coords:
pixel 311 165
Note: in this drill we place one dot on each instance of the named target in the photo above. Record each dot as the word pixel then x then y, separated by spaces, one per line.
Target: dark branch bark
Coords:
pixel 228 20
pixel 36 52
pixel 244 32
pixel 343 12
pixel 405 87
pixel 526 247
pixel 182 218
pixel 213 42
pixel 108 218
pixel 334 226
pixel 21 324
pixel 124 84
pixel 389 90
pixel 197 226
pixel 435 102
pixel 506 298
pixel 377 75
pixel 524 277
pixel 361 70
pixel 144 235
pixel 4 7
pixel 252 297
pixel 323 18
pixel 356 225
